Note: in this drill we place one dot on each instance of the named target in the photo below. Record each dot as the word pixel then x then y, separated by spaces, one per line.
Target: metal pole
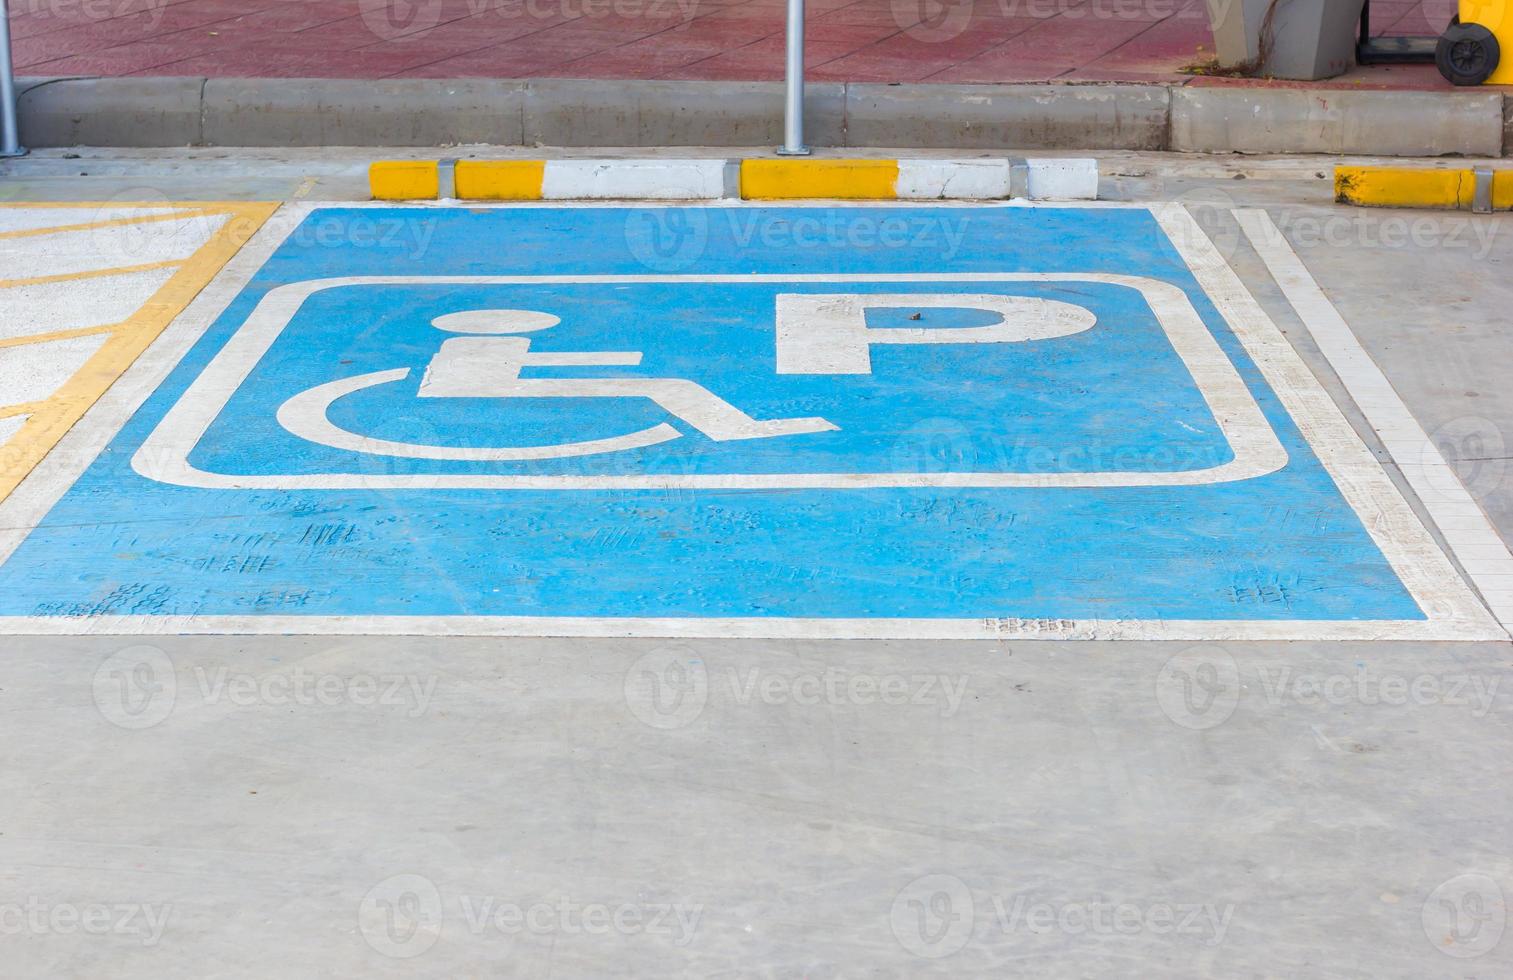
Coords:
pixel 10 139
pixel 793 108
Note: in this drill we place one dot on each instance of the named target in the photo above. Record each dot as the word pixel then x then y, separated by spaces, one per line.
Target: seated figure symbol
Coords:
pixel 487 364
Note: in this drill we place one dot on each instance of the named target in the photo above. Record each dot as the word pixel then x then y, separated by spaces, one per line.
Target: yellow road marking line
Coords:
pixel 110 223
pixel 51 335
pixel 120 270
pixel 22 408
pixel 54 416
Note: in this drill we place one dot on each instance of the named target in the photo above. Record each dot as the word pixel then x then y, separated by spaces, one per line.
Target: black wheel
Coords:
pixel 1466 54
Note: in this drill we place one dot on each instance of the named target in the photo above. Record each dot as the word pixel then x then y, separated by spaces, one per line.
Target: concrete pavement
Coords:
pixel 238 806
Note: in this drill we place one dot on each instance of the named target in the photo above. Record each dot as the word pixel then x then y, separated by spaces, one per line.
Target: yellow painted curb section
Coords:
pixel 1502 190
pixel 49 418
pixel 867 180
pixel 500 180
pixel 405 180
pixel 1405 187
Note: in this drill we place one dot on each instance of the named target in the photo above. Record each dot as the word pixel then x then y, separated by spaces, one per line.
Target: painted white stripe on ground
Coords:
pixel 1392 524
pixel 1440 490
pixel 960 179
pixel 672 180
pixel 164 456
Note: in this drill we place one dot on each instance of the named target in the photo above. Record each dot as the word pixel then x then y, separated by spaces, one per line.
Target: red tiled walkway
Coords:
pixel 848 40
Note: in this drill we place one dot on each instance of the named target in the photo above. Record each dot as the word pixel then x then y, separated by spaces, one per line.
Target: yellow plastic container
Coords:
pixel 1497 17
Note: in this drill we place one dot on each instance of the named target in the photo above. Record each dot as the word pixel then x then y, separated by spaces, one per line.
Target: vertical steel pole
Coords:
pixel 793 108
pixel 10 138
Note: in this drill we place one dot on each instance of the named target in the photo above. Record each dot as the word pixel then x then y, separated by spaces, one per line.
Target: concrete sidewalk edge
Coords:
pixel 138 112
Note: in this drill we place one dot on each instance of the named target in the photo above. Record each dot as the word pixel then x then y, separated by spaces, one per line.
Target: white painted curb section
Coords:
pixel 619 180
pixel 953 179
pixel 1061 179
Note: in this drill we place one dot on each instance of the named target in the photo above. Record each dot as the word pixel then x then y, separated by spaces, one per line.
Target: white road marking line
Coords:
pixel 164 456
pixel 1468 532
pixel 1404 541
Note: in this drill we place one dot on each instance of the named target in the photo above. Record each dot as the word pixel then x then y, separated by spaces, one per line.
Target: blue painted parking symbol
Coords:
pixel 609 415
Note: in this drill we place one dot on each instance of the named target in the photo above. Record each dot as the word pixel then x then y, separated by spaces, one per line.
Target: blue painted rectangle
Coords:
pixel 1284 546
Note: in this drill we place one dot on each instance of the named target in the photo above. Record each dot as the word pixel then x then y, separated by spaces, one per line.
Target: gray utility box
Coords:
pixel 1309 38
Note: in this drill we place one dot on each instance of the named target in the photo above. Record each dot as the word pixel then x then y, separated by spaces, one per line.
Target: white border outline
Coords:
pixel 1467 531
pixel 1452 610
pixel 164 454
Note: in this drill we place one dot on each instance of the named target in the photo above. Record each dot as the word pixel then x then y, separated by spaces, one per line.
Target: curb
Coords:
pixel 577 112
pixel 1462 189
pixel 752 180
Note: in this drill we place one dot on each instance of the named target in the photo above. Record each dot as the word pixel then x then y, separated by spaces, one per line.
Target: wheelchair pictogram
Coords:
pixel 487 363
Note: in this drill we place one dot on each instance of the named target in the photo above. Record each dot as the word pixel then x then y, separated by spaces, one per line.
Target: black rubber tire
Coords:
pixel 1466 54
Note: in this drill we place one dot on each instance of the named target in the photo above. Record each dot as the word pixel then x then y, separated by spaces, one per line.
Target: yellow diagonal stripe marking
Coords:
pixel 110 223
pixel 51 335
pixel 120 270
pixel 54 416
